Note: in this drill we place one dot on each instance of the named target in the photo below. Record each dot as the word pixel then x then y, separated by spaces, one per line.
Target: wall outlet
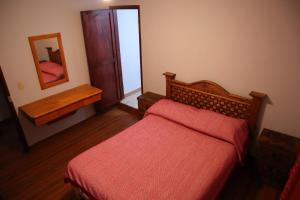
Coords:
pixel 20 85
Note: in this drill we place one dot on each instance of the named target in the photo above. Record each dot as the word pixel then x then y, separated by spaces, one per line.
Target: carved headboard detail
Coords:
pixel 211 96
pixel 54 56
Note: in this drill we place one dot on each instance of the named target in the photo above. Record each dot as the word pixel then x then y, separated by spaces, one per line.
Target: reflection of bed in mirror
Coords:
pixel 48 54
pixel 52 70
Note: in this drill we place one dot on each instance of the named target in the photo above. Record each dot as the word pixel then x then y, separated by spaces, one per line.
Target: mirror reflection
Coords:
pixel 49 59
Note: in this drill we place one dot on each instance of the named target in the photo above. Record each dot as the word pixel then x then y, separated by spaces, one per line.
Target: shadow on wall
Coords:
pixel 266 102
pixel 256 133
pixel 35 134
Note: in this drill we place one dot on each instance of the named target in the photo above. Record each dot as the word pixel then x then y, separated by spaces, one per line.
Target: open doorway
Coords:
pixel 12 137
pixel 127 25
pixel 9 141
pixel 5 114
pixel 113 47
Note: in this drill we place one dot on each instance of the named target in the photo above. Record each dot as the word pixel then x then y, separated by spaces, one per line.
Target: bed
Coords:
pixel 52 70
pixel 185 147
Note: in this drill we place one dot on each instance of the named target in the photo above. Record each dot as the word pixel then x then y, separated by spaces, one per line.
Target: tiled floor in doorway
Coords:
pixel 131 99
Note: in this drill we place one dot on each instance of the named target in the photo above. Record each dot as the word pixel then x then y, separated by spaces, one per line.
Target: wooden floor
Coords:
pixel 39 174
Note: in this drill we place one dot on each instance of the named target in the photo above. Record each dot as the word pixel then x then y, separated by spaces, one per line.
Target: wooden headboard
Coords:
pixel 54 56
pixel 211 96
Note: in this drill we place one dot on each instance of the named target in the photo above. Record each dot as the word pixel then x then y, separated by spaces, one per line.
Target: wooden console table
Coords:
pixel 59 105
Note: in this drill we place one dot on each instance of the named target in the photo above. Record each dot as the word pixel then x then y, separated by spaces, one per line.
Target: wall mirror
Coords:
pixel 49 59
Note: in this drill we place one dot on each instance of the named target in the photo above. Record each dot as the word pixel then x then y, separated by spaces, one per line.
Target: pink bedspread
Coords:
pixel 156 158
pixel 48 78
pixel 51 71
pixel 211 123
pixel 52 68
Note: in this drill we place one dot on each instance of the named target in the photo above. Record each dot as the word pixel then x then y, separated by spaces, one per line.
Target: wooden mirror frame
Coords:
pixel 32 39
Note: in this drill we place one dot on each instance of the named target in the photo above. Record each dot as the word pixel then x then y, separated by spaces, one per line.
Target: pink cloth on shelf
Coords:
pixel 48 78
pixel 160 157
pixel 232 130
pixel 52 68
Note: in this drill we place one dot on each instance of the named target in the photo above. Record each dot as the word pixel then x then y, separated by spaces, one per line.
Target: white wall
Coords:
pixel 128 27
pixel 21 19
pixel 242 45
pixel 4 109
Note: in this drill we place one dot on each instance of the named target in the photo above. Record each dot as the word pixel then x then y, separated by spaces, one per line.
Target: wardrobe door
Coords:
pixel 100 43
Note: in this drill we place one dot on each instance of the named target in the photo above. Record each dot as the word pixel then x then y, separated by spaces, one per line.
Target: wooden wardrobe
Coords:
pixel 103 60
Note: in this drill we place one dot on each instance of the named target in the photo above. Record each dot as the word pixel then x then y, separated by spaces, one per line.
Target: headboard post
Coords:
pixel 255 108
pixel 54 56
pixel 49 50
pixel 169 77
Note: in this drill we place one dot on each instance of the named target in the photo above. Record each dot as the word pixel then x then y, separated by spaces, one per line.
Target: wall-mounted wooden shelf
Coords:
pixel 59 105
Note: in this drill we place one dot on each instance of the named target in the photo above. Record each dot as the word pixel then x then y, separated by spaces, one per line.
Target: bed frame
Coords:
pixel 211 96
pixel 54 56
